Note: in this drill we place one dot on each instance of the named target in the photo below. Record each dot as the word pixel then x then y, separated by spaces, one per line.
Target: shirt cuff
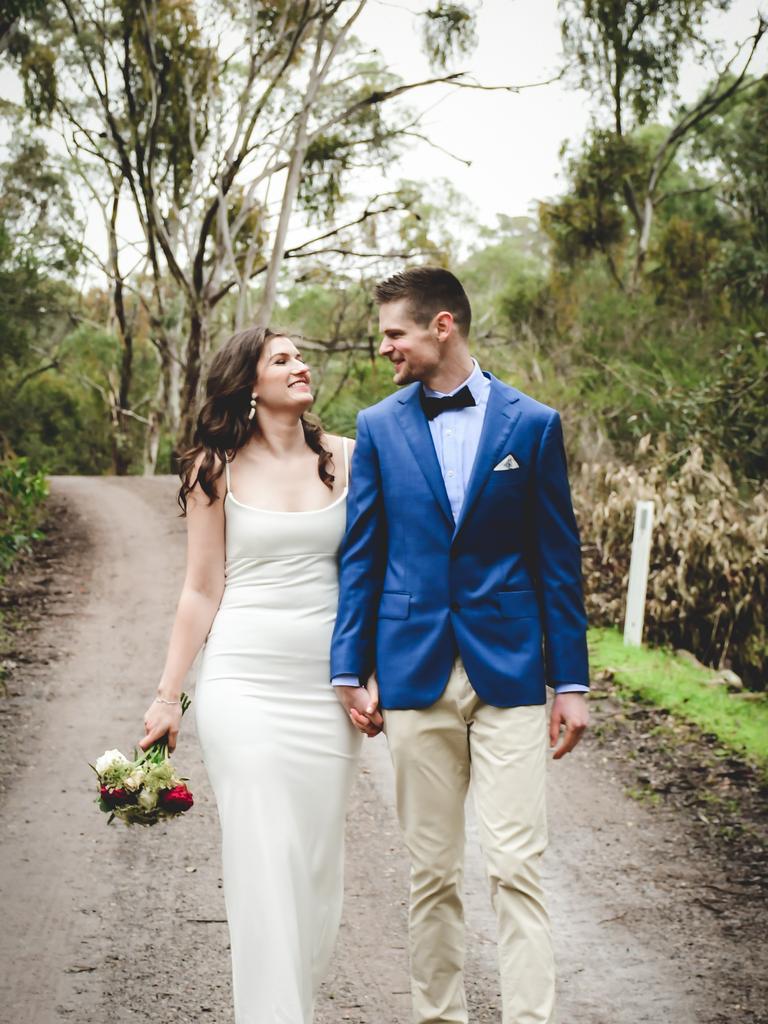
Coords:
pixel 345 681
pixel 570 688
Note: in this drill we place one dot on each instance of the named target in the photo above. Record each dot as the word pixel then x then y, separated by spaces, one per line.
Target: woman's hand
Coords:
pixel 367 717
pixel 161 719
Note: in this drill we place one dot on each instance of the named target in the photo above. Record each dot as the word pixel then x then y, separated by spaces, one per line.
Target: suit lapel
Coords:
pixel 417 434
pixel 501 417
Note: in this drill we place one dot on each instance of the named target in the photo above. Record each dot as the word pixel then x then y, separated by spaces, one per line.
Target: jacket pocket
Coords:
pixel 394 605
pixel 518 604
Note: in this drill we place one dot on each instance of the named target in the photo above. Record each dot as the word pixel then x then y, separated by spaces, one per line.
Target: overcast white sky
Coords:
pixel 513 141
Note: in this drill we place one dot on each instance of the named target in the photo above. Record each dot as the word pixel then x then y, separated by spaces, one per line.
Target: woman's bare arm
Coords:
pixel 198 604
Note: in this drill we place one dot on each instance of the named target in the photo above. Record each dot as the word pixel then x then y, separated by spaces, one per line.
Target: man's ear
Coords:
pixel 443 323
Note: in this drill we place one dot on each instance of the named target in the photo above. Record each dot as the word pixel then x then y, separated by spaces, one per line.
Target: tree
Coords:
pixel 36 252
pixel 10 17
pixel 205 127
pixel 733 145
pixel 628 56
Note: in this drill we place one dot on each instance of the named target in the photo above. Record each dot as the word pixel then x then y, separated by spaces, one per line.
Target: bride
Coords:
pixel 264 492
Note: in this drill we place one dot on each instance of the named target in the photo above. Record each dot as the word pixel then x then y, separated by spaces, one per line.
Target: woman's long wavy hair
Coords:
pixel 223 426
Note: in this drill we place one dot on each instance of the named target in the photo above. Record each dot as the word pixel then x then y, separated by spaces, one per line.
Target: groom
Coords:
pixel 461 586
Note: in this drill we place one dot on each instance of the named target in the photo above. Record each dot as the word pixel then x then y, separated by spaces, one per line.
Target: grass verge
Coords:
pixel 660 677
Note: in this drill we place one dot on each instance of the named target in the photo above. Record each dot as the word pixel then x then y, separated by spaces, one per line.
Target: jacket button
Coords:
pixel 455 606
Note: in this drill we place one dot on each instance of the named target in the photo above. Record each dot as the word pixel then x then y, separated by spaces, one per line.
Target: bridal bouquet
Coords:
pixel 144 790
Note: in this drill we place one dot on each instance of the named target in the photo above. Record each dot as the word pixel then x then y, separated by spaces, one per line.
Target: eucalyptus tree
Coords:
pixel 199 128
pixel 628 57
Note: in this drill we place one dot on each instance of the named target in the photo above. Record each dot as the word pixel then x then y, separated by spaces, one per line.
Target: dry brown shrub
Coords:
pixel 708 585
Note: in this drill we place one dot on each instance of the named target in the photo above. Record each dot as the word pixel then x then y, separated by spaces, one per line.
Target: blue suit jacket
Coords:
pixel 501 587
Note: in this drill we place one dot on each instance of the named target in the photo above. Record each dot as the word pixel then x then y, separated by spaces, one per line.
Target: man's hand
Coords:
pixel 569 710
pixel 362 705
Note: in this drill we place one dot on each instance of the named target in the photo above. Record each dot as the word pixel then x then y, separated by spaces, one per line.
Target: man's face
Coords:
pixel 413 350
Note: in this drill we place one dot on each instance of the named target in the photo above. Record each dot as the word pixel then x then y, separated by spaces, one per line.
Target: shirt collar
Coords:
pixel 475 382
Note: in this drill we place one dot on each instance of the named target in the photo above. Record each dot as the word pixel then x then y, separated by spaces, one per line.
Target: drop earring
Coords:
pixel 252 413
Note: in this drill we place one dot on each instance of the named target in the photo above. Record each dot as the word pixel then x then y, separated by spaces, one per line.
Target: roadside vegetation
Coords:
pixel 736 718
pixel 23 493
pixel 22 502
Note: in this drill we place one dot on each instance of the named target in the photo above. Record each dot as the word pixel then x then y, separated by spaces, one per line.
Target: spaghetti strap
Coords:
pixel 226 474
pixel 345 445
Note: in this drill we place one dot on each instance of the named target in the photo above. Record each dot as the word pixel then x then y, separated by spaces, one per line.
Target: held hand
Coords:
pixel 159 720
pixel 361 704
pixel 569 710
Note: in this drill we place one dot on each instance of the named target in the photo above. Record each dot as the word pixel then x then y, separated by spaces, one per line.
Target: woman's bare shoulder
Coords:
pixel 216 476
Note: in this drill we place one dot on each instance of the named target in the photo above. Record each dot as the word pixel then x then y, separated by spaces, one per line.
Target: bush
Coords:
pixel 58 427
pixel 22 494
pixel 708 586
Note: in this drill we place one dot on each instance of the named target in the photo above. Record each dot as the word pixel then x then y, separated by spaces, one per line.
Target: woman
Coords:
pixel 264 492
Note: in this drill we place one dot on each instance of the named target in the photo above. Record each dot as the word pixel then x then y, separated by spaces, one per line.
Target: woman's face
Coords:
pixel 282 377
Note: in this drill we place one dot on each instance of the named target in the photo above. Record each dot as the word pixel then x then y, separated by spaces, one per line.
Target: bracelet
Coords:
pixel 162 700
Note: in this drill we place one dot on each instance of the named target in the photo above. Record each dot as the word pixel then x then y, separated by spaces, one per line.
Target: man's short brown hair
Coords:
pixel 429 291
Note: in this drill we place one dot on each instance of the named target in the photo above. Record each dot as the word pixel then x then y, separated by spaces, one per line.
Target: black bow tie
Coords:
pixel 434 406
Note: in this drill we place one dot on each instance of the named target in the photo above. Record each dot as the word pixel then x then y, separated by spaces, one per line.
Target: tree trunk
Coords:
pixel 119 404
pixel 197 345
pixel 121 442
pixel 163 418
pixel 643 242
pixel 152 444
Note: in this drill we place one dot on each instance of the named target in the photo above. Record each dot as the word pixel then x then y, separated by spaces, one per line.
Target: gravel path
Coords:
pixel 108 925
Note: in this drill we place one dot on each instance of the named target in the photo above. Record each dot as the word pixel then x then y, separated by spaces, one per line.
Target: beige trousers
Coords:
pixel 437 752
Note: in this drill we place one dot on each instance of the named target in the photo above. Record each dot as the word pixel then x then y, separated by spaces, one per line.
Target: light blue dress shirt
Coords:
pixel 456 437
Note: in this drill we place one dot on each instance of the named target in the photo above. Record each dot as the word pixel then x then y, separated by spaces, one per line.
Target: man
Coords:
pixel 461 585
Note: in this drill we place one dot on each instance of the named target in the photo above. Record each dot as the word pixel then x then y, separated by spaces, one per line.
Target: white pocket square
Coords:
pixel 508 462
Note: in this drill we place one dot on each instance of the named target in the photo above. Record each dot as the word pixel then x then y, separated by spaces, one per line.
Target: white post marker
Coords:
pixel 638 574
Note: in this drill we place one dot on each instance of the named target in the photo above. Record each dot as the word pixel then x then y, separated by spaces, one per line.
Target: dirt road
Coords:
pixel 108 925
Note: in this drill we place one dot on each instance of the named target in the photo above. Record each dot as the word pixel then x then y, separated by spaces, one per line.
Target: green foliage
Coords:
pixel 629 55
pixel 20 8
pixel 684 341
pixel 688 691
pixel 327 159
pixel 22 495
pixel 449 31
pixel 358 385
pixel 38 66
pixel 682 257
pixel 726 408
pixel 347 140
pixel 591 216
pixel 20 292
pixel 734 146
pixel 171 71
pixel 58 426
pixel 507 275
pixel 51 411
pixel 36 208
pixel 19 22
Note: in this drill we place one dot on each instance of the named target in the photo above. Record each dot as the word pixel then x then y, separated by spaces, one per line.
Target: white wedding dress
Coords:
pixel 280 752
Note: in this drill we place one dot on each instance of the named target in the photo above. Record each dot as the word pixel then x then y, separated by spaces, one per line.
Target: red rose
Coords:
pixel 177 799
pixel 113 797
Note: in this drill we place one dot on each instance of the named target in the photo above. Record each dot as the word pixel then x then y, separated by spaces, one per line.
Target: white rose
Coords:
pixel 134 781
pixel 108 758
pixel 147 800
